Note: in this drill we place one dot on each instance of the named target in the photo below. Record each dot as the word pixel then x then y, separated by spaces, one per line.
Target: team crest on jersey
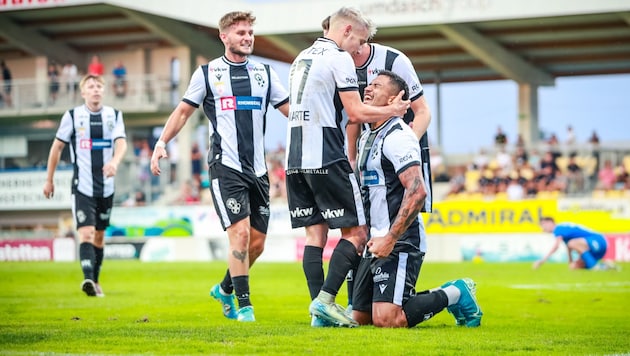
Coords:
pixel 81 216
pixel 110 124
pixel 260 80
pixel 233 205
pixel 220 87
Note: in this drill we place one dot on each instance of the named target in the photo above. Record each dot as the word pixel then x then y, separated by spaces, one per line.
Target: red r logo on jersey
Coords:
pixel 85 144
pixel 228 103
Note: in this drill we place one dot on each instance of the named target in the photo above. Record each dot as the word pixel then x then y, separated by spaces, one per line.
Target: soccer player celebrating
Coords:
pixel 322 189
pixel 96 135
pixel 393 190
pixel 235 92
pixel 590 245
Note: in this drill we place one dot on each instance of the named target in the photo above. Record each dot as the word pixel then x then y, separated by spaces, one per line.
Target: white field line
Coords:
pixel 572 286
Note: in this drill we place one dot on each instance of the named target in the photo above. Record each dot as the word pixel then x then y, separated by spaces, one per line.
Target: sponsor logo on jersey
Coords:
pixel 301 212
pixel 369 177
pixel 217 69
pixel 333 213
pixel 406 158
pixel 95 144
pixel 351 80
pixel 382 287
pixel 375 71
pixel 241 103
pixel 380 276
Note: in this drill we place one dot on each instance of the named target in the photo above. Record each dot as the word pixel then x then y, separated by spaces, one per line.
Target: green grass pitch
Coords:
pixel 164 309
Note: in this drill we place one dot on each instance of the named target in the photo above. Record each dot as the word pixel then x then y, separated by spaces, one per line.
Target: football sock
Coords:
pixel 589 260
pixel 452 293
pixel 350 282
pixel 241 289
pixel 98 253
pixel 87 258
pixel 313 269
pixel 226 283
pixel 343 258
pixel 424 306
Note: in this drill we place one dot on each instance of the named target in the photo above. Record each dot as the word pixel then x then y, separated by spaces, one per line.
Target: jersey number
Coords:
pixel 304 66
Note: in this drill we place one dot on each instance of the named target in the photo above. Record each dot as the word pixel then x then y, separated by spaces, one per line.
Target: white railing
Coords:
pixel 143 93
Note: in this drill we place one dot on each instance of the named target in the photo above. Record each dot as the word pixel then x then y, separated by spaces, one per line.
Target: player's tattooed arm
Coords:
pixel 413 200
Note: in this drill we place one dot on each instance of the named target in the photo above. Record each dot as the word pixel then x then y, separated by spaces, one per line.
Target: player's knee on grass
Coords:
pixel 388 315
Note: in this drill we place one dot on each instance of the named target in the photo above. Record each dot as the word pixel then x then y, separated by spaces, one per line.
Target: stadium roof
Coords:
pixel 526 41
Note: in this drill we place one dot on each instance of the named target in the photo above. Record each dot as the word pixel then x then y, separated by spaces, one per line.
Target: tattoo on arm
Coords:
pixel 240 255
pixel 412 201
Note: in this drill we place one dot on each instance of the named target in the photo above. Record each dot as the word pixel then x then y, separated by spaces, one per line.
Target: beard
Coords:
pixel 237 51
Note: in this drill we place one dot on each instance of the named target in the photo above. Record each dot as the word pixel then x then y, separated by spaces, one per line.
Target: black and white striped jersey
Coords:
pixel 388 58
pixel 315 134
pixel 235 97
pixel 384 57
pixel 383 154
pixel 91 137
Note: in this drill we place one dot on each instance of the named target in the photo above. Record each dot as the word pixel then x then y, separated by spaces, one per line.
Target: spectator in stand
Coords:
pixel 515 190
pixel 277 180
pixel 70 76
pixel 570 136
pixel 196 157
pixel 534 159
pixel 547 174
pixel 6 92
pixel 622 175
pixel 481 160
pixel 504 160
pixel 120 79
pixel 520 157
pixel 500 139
pixel 575 176
pixel 438 166
pixel 136 199
pixel 53 80
pixel 457 184
pixel 594 139
pixel 606 177
pixel 189 194
pixel 96 66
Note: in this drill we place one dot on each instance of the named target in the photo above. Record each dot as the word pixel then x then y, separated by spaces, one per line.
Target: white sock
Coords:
pixel 452 293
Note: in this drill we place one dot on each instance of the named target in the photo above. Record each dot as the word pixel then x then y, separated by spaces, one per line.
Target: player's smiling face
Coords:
pixel 378 92
pixel 239 39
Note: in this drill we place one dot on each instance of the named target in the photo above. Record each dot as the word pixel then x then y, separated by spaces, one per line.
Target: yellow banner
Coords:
pixel 478 216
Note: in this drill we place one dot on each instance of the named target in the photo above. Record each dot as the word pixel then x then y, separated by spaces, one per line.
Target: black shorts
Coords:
pixel 330 194
pixel 237 195
pixel 390 280
pixel 426 173
pixel 89 211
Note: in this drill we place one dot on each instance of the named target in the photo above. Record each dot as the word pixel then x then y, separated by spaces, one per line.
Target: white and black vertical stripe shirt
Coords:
pixel 315 135
pixel 384 153
pixel 91 137
pixel 235 97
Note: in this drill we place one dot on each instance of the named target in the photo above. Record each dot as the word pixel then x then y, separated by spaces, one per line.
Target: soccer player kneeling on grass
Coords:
pixel 589 245
pixel 393 194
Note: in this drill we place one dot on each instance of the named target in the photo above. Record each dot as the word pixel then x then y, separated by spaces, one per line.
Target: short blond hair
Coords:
pixel 355 16
pixel 233 17
pixel 84 80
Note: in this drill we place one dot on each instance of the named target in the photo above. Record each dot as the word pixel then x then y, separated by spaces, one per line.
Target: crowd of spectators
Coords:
pixel 547 171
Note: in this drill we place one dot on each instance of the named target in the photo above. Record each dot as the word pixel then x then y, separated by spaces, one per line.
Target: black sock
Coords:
pixel 424 306
pixel 313 269
pixel 343 258
pixel 88 259
pixel 226 283
pixel 350 280
pixel 98 253
pixel 241 289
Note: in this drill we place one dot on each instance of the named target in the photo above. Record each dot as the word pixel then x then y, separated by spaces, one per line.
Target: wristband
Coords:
pixel 161 144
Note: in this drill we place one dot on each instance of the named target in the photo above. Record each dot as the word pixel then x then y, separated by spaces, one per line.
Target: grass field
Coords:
pixel 164 308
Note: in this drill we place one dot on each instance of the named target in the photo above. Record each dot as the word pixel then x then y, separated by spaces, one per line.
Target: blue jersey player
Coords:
pixel 589 245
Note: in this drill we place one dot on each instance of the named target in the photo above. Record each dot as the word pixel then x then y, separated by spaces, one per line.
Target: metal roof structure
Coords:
pixel 532 50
